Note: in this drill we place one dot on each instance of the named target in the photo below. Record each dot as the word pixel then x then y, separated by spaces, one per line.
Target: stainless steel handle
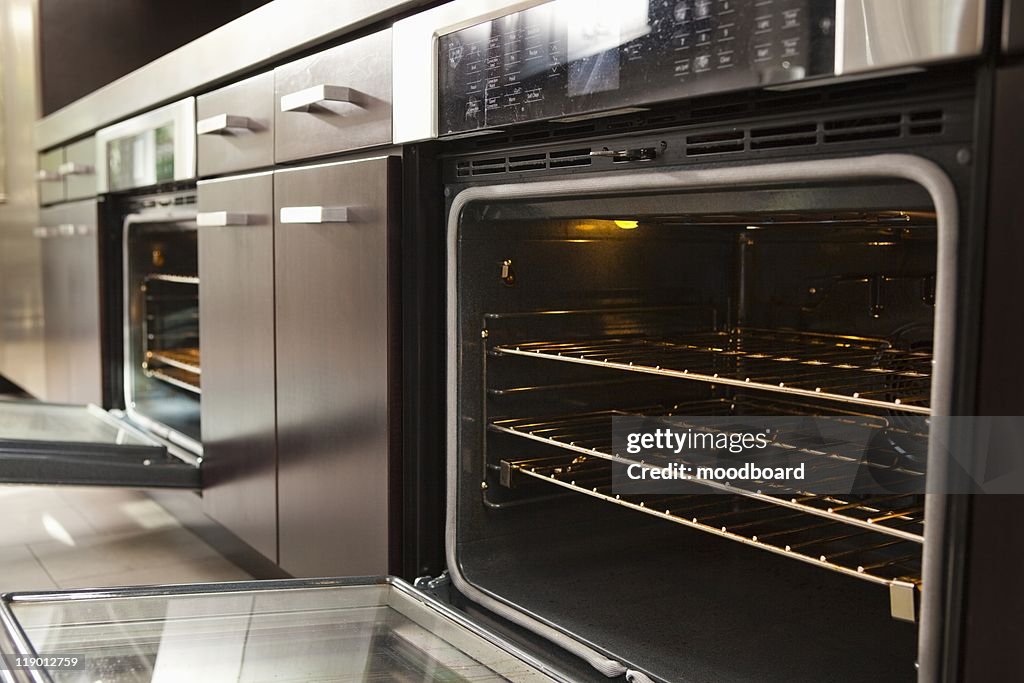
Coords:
pixel 43 176
pixel 74 168
pixel 222 123
pixel 303 99
pixel 220 219
pixel 314 214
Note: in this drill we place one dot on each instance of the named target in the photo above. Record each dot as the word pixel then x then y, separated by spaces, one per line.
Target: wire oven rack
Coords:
pixel 847 369
pixel 178 367
pixel 865 554
pixel 590 435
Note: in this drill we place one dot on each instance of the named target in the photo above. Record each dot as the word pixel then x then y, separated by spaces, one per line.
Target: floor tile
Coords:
pixel 207 570
pixel 60 524
pixel 21 571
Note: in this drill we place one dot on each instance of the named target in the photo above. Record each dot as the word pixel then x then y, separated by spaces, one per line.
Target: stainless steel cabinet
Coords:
pixel 335 100
pixel 335 241
pixel 235 126
pixel 71 303
pixel 68 173
pixel 236 326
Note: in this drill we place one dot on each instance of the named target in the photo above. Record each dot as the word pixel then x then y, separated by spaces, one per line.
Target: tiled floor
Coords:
pixel 76 537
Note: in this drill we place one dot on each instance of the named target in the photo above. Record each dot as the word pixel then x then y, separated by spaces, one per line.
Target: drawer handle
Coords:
pixel 222 123
pixel 304 99
pixel 220 219
pixel 314 214
pixel 74 168
pixel 47 176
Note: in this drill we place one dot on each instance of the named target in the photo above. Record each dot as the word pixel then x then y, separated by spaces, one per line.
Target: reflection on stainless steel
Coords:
pixel 283 631
pixel 885 34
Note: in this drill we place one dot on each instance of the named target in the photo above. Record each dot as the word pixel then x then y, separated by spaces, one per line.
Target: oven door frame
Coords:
pixel 897 166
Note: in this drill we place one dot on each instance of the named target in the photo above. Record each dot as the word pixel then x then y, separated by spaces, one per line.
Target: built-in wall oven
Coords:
pixel 146 432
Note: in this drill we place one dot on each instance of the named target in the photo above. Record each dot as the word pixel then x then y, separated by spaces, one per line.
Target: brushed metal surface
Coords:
pixel 238 149
pixel 236 336
pixel 332 300
pixel 271 32
pixel 363 67
pixel 51 184
pixel 887 34
pixel 71 303
pixel 81 183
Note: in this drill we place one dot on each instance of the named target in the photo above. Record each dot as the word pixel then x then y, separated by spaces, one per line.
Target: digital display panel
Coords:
pixel 568 58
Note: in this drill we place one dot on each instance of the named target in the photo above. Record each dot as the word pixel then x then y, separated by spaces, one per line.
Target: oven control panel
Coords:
pixel 575 59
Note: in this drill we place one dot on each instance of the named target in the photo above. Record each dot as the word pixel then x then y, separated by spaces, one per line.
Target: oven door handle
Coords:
pixel 222 123
pixel 314 214
pixel 220 219
pixel 303 99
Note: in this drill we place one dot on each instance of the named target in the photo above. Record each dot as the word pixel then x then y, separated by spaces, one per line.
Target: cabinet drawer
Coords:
pixel 235 126
pixel 236 335
pixel 51 182
pixel 334 101
pixel 79 169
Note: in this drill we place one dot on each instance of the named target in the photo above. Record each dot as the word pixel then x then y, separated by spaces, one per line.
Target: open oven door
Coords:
pixel 49 443
pixel 367 629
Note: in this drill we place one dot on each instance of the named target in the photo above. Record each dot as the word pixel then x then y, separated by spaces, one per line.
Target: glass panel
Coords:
pixel 338 633
pixel 31 421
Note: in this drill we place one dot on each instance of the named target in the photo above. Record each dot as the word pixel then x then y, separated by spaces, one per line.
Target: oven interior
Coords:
pixel 789 300
pixel 162 368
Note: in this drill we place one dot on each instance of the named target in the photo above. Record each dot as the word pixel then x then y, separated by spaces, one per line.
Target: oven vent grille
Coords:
pixel 566 158
pixel 820 132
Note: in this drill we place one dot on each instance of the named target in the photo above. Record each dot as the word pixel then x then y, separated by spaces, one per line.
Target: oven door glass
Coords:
pixel 322 630
pixel 48 443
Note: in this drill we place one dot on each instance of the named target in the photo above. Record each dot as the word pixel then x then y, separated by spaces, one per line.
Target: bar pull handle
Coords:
pixel 314 214
pixel 74 168
pixel 222 123
pixel 220 219
pixel 304 99
pixel 43 176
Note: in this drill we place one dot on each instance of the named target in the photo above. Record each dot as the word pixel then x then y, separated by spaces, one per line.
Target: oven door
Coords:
pixel 367 629
pixel 50 443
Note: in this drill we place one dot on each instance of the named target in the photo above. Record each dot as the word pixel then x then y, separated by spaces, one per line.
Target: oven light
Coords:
pixel 627 225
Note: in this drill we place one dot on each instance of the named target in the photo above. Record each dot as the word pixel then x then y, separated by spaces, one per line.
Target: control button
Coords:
pixel 491 103
pixel 725 59
pixel 702 63
pixel 474 86
pixel 702 9
pixel 762 53
pixel 762 24
pixel 682 12
pixel 493 63
pixel 472 108
pixel 726 6
pixel 534 95
pixel 474 67
pixel 492 82
pixel 494 44
pixel 682 67
pixel 682 41
pixel 725 33
pixel 534 53
pixel 791 18
pixel 703 38
pixel 790 47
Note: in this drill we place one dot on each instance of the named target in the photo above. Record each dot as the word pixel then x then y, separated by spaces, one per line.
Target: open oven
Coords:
pixel 147 433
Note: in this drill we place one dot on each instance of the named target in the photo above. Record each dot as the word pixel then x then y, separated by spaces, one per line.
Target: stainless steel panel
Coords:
pixel 79 169
pixel 885 34
pixel 71 303
pixel 51 182
pixel 236 332
pixel 271 32
pixel 56 285
pixel 352 110
pixel 333 338
pixel 243 143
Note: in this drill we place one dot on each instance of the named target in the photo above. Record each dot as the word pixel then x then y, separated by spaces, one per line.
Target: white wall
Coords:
pixel 21 321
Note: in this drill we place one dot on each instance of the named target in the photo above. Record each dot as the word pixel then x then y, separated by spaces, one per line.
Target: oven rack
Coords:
pixel 186 359
pixel 859 553
pixel 853 370
pixel 590 435
pixel 176 377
